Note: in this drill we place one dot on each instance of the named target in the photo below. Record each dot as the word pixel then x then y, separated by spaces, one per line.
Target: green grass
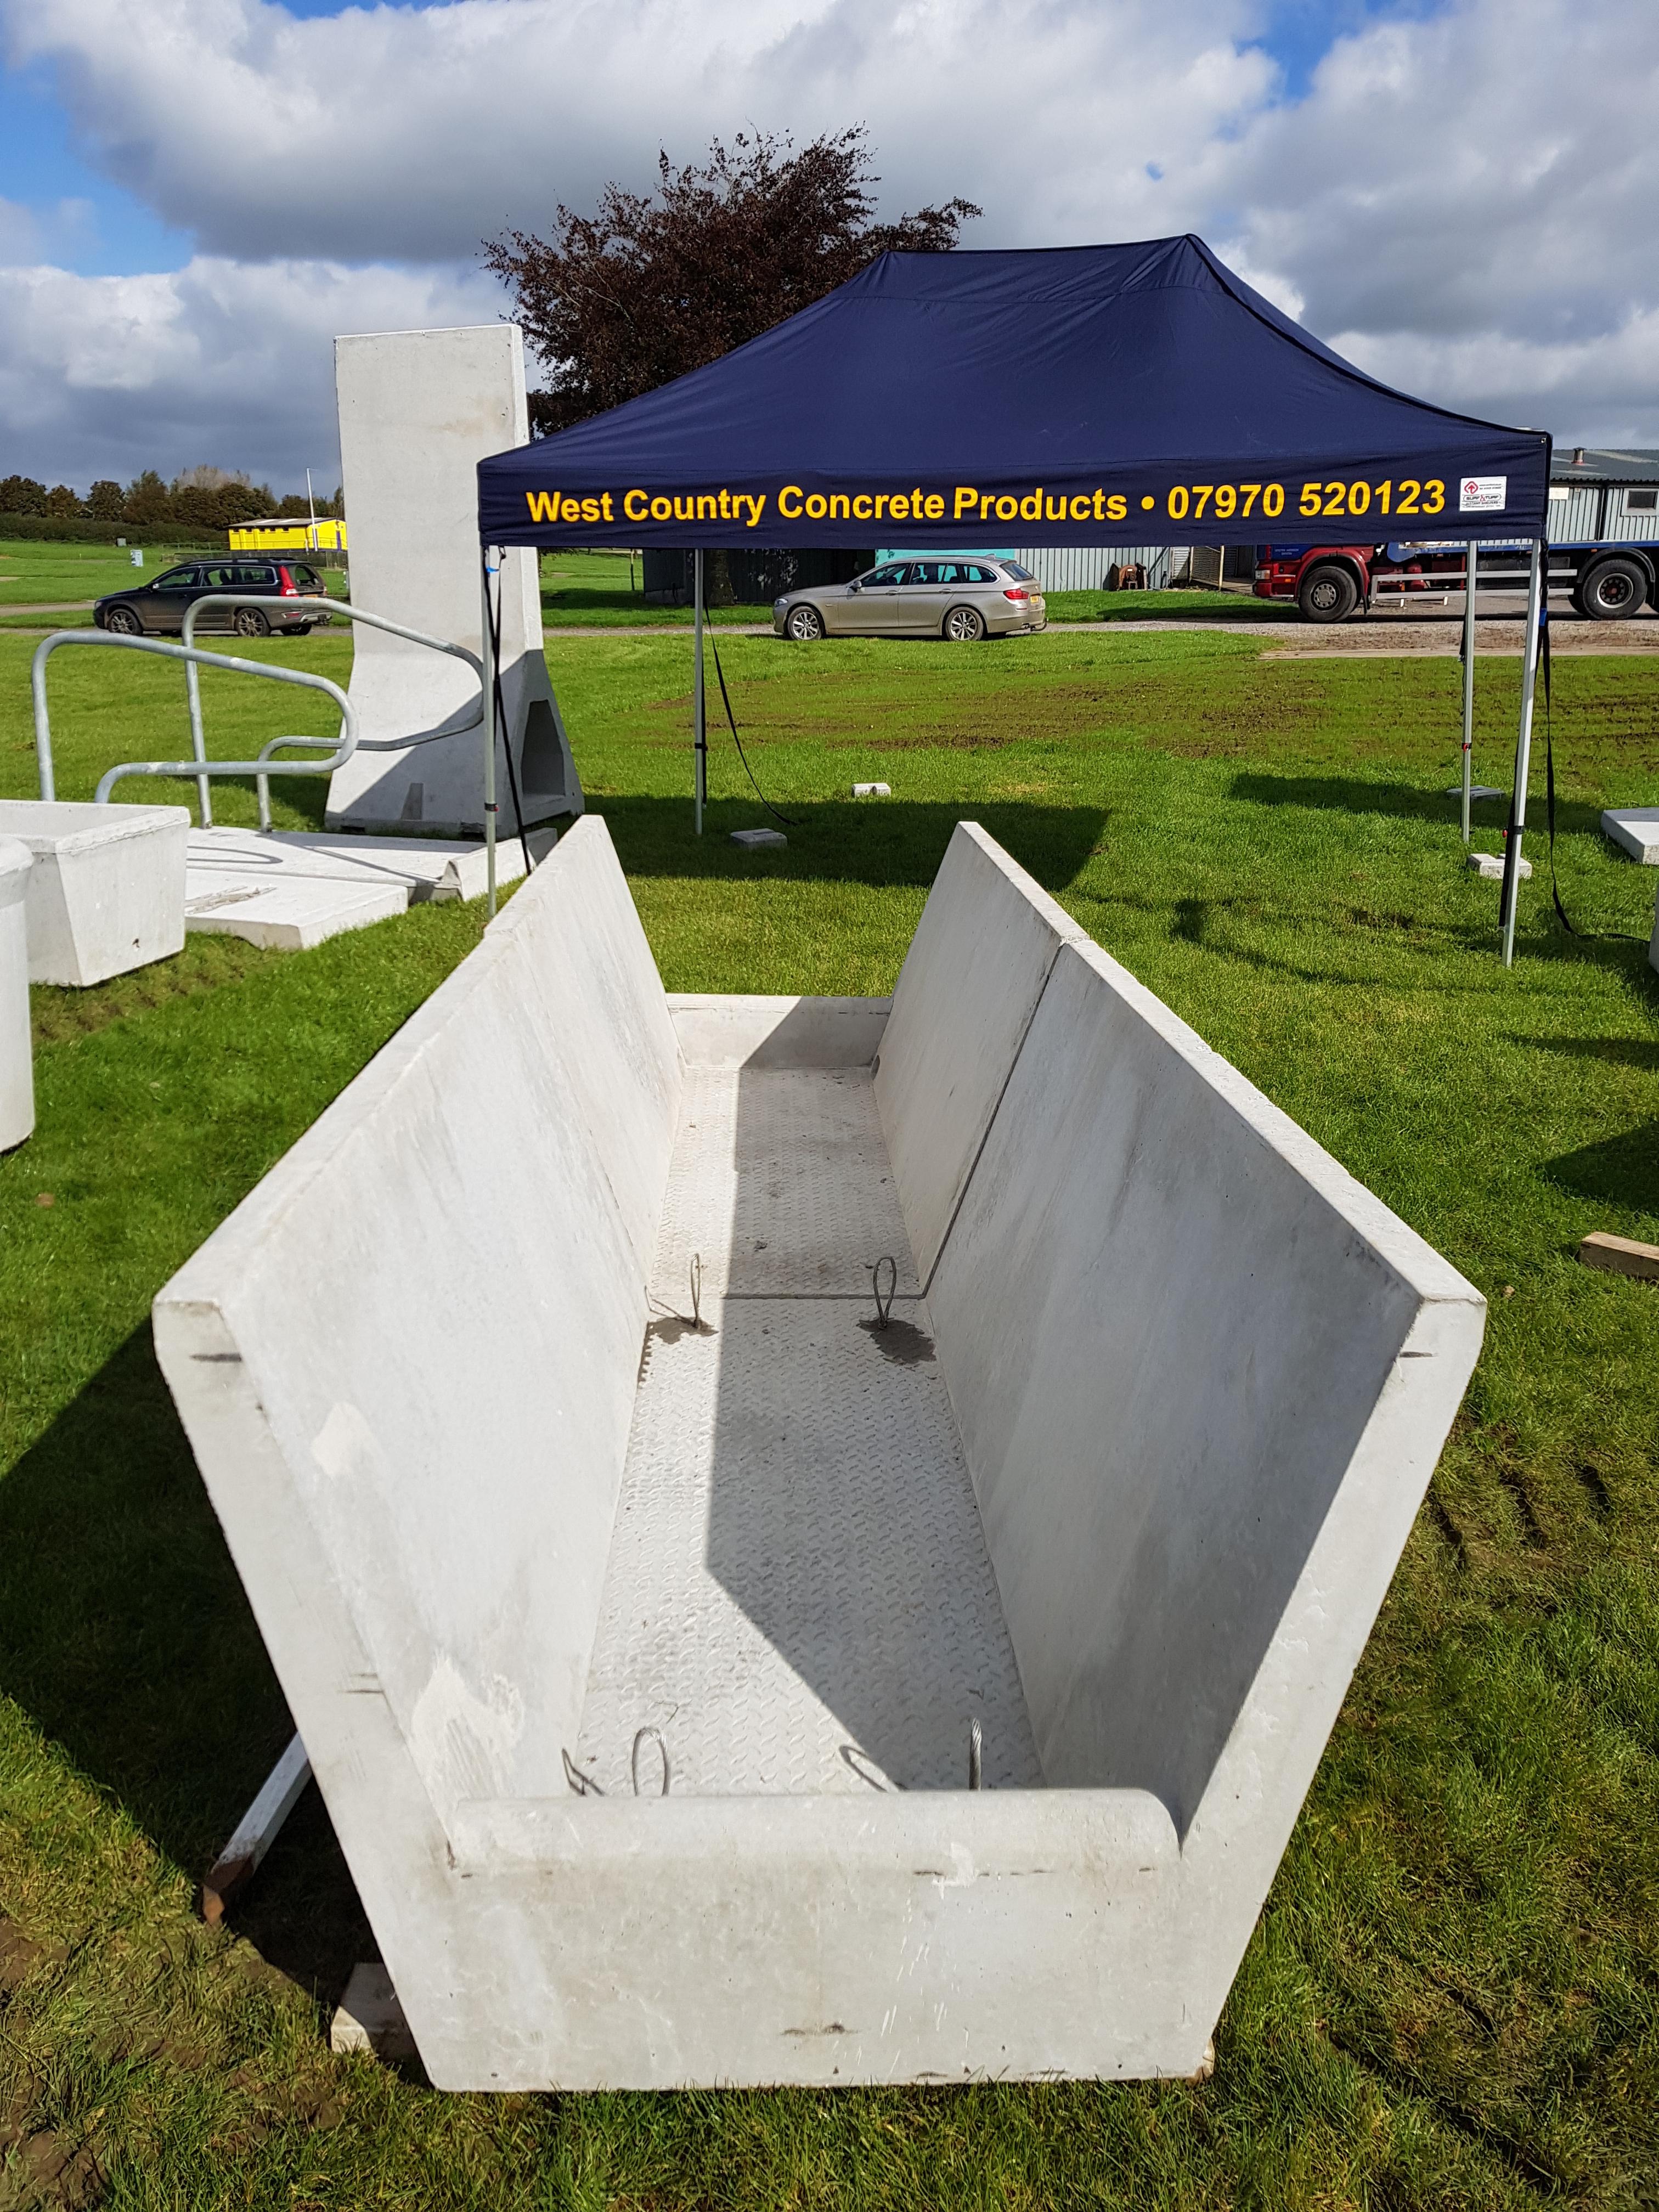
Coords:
pixel 605 591
pixel 33 575
pixel 1453 1996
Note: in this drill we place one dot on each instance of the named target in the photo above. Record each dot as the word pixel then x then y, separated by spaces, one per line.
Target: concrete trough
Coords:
pixel 638 1596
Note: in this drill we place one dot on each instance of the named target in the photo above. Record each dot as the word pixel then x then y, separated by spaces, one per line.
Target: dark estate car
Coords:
pixel 161 605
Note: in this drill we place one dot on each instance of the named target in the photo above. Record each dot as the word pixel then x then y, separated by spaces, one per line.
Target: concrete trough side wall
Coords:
pixel 1182 1345
pixel 971 980
pixel 408 1358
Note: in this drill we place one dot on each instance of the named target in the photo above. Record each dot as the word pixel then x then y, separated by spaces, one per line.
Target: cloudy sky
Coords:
pixel 195 197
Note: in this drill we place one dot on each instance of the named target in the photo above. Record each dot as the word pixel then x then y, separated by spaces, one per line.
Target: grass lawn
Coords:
pixel 1452 1998
pixel 47 574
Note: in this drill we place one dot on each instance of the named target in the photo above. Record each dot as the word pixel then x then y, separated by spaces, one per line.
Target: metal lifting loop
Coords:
pixel 884 1306
pixel 696 1290
pixel 975 1756
pixel 634 1763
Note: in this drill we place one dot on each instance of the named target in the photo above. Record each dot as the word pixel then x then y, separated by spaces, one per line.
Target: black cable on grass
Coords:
pixel 788 820
pixel 500 716
pixel 1616 936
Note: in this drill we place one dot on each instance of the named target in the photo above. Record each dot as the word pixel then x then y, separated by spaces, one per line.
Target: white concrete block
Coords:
pixel 17 1040
pixel 1635 831
pixel 418 411
pixel 107 891
pixel 971 979
pixel 778 1032
pixel 1490 867
pixel 1127 1485
pixel 873 791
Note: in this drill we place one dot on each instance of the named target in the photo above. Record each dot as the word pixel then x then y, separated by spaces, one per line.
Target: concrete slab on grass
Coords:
pixel 751 838
pixel 1125 1483
pixel 1635 831
pixel 293 889
pixel 1489 865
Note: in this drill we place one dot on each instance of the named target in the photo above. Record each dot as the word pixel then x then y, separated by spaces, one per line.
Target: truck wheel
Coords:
pixel 1612 590
pixel 1327 593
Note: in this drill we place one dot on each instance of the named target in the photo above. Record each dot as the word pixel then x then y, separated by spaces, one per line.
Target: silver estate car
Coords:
pixel 964 598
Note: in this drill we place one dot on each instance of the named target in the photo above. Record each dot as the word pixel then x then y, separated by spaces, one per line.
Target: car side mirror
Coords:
pixel 852 590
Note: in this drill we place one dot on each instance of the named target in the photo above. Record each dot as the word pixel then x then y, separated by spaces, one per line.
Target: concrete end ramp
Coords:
pixel 1127 1477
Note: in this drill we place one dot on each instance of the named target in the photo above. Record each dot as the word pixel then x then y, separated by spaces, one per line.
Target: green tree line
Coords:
pixel 200 499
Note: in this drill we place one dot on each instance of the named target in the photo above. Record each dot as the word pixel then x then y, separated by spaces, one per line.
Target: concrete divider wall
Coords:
pixel 438 1300
pixel 971 979
pixel 1166 1319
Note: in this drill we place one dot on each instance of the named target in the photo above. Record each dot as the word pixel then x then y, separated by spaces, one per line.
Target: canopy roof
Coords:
pixel 1093 395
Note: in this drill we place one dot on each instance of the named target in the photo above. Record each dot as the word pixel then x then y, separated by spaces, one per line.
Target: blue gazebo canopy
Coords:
pixel 1074 396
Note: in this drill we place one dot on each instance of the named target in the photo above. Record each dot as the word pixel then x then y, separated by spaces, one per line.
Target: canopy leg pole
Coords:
pixel 1469 582
pixel 1523 753
pixel 488 656
pixel 699 729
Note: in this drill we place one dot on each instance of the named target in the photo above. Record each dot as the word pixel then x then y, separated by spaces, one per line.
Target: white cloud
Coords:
pixel 1464 203
pixel 409 135
pixel 217 361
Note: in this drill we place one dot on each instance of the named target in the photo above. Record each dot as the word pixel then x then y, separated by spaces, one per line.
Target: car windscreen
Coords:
pixel 307 579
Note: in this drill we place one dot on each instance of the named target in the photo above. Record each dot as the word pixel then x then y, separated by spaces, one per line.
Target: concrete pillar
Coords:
pixel 16 1047
pixel 418 411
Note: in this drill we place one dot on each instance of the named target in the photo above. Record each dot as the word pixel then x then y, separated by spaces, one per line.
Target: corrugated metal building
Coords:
pixel 1604 493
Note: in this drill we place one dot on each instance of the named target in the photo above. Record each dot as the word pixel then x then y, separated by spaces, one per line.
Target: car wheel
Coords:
pixel 251 622
pixel 300 630
pixel 1327 594
pixel 123 622
pixel 1612 589
pixel 965 626
pixel 804 625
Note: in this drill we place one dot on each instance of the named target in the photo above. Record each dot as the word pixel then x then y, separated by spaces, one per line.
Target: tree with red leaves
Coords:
pixel 619 302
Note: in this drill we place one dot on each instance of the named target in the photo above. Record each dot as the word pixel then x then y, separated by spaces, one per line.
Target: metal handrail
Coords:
pixel 329 607
pixel 200 769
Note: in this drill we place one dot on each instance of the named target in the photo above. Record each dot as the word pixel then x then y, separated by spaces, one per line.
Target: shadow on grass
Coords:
pixel 1343 795
pixel 881 841
pixel 1622 1170
pixel 126 1636
pixel 1346 794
